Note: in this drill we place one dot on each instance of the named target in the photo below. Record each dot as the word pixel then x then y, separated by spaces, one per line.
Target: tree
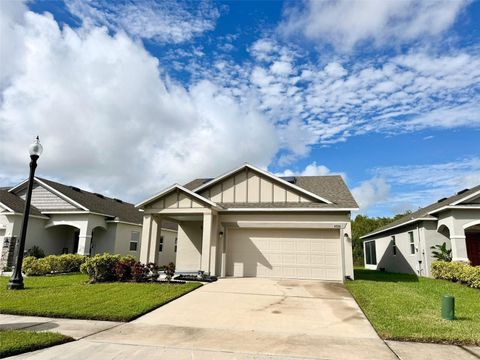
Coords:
pixel 441 253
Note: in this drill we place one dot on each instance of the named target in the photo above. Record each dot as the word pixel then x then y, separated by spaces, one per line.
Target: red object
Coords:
pixel 473 248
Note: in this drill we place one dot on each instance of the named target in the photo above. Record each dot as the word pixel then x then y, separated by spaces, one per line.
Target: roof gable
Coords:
pixel 275 189
pixel 429 212
pixel 176 196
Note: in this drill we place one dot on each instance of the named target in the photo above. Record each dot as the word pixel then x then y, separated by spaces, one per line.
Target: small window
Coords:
pixel 175 249
pixel 394 246
pixel 412 243
pixel 370 253
pixel 160 245
pixel 135 237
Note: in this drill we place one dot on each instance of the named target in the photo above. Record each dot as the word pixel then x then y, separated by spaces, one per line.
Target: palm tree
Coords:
pixel 441 253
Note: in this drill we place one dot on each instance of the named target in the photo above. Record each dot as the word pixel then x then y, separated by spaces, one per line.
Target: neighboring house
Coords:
pixel 405 244
pixel 249 222
pixel 66 219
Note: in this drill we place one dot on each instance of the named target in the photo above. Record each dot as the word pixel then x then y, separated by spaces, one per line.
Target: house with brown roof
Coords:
pixel 405 245
pixel 67 219
pixel 251 223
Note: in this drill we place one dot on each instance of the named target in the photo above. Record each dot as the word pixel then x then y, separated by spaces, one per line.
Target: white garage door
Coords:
pixel 284 253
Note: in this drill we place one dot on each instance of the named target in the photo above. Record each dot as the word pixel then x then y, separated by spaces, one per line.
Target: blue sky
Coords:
pixel 131 96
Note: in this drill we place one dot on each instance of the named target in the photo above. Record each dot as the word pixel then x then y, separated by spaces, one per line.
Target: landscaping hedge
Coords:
pixel 457 272
pixel 52 264
pixel 107 267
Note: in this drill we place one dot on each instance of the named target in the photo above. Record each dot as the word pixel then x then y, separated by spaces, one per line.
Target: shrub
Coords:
pixel 140 272
pixel 123 269
pixel 36 252
pixel 169 271
pixel 52 264
pixel 457 272
pixel 101 267
pixel 32 266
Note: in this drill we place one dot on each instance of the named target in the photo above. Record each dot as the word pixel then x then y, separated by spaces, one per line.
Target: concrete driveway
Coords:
pixel 259 316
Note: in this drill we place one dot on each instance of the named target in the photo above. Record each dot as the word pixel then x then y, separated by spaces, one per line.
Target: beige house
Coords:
pixel 405 245
pixel 66 219
pixel 249 222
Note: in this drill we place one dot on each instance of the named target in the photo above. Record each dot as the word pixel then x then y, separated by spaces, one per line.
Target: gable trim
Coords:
pixel 476 193
pixel 6 207
pixel 397 226
pixel 52 190
pixel 265 173
pixel 181 188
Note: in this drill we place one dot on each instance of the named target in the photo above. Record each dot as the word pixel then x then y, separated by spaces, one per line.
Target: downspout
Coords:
pixel 421 253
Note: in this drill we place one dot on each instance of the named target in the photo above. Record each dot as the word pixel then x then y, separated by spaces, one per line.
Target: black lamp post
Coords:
pixel 16 281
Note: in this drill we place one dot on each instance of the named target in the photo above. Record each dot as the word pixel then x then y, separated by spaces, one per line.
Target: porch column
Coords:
pixel 206 241
pixel 222 239
pixel 84 243
pixel 155 239
pixel 459 248
pixel 146 238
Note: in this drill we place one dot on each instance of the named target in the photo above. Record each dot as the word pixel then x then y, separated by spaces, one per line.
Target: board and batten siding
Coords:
pixel 176 200
pixel 247 186
pixel 44 199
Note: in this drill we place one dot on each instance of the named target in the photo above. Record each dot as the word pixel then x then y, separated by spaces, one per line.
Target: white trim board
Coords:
pixel 181 188
pixel 54 191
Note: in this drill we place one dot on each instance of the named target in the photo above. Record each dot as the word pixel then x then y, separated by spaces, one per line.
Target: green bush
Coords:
pixel 33 267
pixel 52 264
pixel 457 272
pixel 107 267
pixel 36 251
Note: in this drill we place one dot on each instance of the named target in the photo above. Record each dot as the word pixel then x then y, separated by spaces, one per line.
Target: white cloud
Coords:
pixel 161 21
pixel 371 192
pixel 344 23
pixel 108 120
pixel 311 169
pixel 416 186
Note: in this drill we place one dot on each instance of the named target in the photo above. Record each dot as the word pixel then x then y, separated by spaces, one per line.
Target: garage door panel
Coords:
pixel 286 253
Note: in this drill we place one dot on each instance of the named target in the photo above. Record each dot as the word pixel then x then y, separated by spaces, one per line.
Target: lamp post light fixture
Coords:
pixel 16 281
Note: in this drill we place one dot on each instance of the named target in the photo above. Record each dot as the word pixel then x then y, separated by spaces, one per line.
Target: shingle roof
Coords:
pixel 16 203
pixel 331 187
pixel 108 206
pixel 113 208
pixel 423 213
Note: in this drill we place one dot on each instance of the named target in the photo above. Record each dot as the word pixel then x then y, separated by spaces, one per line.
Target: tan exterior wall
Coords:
pixel 249 186
pixel 168 253
pixel 189 251
pixel 175 200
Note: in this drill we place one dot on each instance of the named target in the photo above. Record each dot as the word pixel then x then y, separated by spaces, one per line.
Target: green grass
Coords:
pixel 69 296
pixel 404 307
pixel 13 342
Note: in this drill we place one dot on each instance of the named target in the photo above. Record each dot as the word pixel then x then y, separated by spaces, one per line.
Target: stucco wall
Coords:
pixel 189 246
pixel 103 241
pixel 168 254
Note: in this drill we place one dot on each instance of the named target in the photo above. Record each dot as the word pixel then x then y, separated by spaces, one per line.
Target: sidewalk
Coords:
pixel 76 329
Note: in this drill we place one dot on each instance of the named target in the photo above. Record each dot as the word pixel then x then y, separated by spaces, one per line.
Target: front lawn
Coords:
pixel 69 296
pixel 404 307
pixel 14 342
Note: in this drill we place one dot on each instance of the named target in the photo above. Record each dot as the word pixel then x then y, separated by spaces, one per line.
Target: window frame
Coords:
pixel 411 239
pixel 133 235
pixel 394 245
pixel 370 252
pixel 160 244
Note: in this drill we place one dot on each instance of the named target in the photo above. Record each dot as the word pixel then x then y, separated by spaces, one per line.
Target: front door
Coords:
pixel 473 248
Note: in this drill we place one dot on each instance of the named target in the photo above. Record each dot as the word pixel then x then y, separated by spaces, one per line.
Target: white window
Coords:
pixel 412 242
pixel 394 246
pixel 135 237
pixel 370 253
pixel 175 249
pixel 160 245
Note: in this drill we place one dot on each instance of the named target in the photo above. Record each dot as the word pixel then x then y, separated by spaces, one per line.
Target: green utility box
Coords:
pixel 448 307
